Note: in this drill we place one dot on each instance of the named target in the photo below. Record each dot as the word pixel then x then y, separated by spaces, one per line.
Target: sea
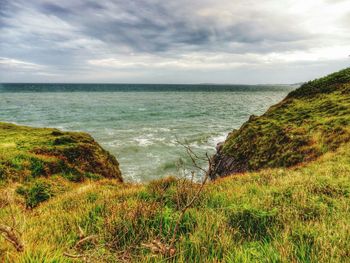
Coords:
pixel 148 127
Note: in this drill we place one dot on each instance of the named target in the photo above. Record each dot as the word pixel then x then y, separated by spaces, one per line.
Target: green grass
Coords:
pixel 50 194
pixel 26 153
pixel 311 121
pixel 276 215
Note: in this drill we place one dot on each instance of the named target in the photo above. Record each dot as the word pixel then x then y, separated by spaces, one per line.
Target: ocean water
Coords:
pixel 141 124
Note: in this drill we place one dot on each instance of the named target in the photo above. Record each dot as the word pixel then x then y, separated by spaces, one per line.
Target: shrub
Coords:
pixel 17 162
pixel 37 167
pixel 35 194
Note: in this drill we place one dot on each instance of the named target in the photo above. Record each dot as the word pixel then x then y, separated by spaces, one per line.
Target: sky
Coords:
pixel 173 41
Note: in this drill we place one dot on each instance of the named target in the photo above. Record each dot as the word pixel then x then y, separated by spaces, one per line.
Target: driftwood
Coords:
pixel 11 236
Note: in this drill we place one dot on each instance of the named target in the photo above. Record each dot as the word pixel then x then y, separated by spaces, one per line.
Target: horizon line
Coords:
pixel 130 83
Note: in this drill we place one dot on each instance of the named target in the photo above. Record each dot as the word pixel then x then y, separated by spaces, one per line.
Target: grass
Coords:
pixel 38 192
pixel 276 215
pixel 54 199
pixel 26 153
pixel 311 121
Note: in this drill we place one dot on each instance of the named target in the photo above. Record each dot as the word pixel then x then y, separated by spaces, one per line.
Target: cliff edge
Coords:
pixel 27 152
pixel 310 121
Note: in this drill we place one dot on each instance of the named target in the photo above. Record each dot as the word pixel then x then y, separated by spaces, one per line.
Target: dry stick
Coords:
pixel 10 235
pixel 193 157
pixel 81 232
pixel 88 238
pixel 82 240
pixel 72 255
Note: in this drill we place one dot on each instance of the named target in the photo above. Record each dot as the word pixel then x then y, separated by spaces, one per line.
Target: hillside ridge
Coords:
pixel 310 121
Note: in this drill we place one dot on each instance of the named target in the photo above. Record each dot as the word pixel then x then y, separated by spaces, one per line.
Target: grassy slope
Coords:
pixel 26 153
pixel 276 215
pixel 311 121
pixel 299 214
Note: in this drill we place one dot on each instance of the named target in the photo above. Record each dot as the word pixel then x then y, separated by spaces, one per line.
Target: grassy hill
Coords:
pixel 276 214
pixel 309 122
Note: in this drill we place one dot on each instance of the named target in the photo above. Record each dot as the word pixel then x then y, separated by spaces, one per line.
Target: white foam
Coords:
pixel 217 138
pixel 144 141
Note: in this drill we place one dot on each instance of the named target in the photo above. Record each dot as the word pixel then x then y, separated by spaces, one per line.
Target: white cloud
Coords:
pixel 18 64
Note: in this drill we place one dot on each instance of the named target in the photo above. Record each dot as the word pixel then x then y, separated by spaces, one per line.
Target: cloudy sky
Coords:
pixel 175 41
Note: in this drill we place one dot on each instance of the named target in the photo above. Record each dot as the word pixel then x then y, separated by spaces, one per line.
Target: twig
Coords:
pixel 81 232
pixel 85 239
pixel 193 157
pixel 73 255
pixel 10 235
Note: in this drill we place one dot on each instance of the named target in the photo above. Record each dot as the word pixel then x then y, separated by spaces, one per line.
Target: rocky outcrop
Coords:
pixel 309 122
pixel 223 165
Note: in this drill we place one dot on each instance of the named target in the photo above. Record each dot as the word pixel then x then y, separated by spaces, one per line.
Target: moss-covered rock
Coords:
pixel 309 122
pixel 34 152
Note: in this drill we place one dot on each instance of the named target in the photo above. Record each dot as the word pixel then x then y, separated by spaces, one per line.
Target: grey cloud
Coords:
pixel 64 35
pixel 153 26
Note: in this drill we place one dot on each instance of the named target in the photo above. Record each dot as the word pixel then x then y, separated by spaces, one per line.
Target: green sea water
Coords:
pixel 142 127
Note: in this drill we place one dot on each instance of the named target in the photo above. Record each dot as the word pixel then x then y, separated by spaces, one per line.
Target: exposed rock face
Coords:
pixel 309 122
pixel 221 164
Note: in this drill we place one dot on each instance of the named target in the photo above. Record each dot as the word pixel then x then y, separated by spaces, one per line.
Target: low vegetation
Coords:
pixel 278 214
pixel 309 122
pixel 27 153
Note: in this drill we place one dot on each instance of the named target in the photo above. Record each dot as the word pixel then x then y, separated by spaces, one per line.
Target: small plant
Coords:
pixel 35 194
pixel 74 176
pixel 17 162
pixel 93 176
pixel 37 167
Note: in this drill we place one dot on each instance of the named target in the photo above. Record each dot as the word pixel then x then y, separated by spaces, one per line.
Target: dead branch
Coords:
pixel 157 247
pixel 193 157
pixel 81 232
pixel 73 255
pixel 10 235
pixel 84 240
